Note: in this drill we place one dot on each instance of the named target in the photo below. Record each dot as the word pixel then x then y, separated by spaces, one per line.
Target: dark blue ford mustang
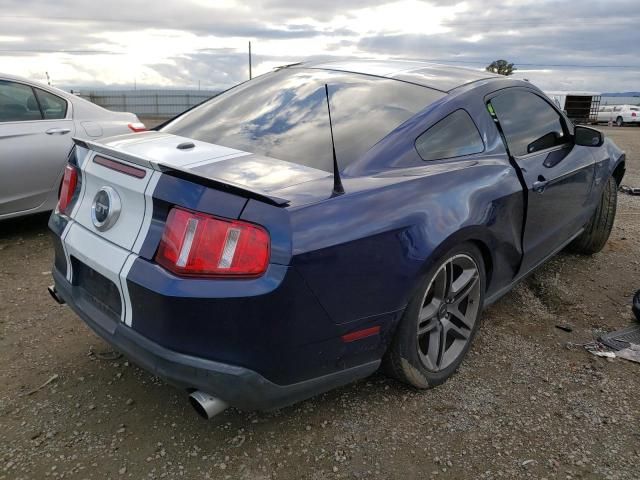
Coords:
pixel 230 253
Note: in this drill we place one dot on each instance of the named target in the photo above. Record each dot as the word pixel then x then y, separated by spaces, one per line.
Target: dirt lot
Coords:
pixel 523 405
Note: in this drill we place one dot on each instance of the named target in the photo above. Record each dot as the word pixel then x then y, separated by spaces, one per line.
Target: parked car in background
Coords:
pixel 37 123
pixel 241 254
pixel 619 114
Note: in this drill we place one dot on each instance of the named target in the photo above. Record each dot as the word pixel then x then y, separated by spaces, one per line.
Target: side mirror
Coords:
pixel 587 137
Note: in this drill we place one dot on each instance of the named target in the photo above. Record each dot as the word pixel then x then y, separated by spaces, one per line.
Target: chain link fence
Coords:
pixel 157 104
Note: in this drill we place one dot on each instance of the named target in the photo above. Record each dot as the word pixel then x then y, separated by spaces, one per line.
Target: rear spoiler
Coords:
pixel 208 181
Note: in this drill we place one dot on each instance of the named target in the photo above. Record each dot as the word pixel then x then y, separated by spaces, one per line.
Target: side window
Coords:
pixel 529 123
pixel 17 103
pixel 53 107
pixel 453 136
pixel 617 109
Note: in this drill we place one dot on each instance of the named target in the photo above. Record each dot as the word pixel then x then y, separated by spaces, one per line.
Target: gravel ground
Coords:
pixel 525 403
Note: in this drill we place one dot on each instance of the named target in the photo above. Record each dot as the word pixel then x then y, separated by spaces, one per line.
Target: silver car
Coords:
pixel 37 124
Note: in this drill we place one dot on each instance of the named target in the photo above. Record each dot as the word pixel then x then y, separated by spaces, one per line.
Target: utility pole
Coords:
pixel 48 78
pixel 250 61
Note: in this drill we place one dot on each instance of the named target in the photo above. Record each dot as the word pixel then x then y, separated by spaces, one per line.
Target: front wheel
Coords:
pixel 440 321
pixel 597 231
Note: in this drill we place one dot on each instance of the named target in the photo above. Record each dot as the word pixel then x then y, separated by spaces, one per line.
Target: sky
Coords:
pixel 585 45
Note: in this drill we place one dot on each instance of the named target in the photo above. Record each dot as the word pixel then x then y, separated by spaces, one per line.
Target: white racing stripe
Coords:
pixel 99 254
pixel 82 155
pixel 111 253
pixel 211 160
pixel 127 313
pixel 148 211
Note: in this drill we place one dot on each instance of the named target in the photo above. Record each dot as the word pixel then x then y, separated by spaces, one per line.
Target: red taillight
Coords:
pixel 201 245
pixel 137 127
pixel 633 114
pixel 68 188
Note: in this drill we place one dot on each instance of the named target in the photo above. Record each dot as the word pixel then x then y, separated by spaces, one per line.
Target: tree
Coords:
pixel 501 67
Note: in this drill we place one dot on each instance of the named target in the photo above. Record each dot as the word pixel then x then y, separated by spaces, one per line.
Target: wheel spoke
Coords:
pixel 464 283
pixel 448 327
pixel 468 316
pixel 433 356
pixel 466 319
pixel 427 326
pixel 440 285
pixel 429 311
pixel 448 268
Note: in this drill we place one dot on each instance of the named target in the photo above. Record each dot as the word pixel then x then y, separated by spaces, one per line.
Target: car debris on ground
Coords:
pixel 623 343
pixel 629 190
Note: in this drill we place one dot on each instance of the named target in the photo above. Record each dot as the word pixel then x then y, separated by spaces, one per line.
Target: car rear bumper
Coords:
pixel 240 387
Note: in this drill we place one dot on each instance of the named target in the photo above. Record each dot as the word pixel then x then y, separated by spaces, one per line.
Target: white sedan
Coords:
pixel 37 124
pixel 619 114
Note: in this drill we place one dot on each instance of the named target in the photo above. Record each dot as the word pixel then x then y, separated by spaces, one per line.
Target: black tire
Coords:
pixel 619 121
pixel 636 305
pixel 404 360
pixel 597 231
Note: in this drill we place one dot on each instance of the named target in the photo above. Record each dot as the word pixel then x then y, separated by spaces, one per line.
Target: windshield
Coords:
pixel 284 115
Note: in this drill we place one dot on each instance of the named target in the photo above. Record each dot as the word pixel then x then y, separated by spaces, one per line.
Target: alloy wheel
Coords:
pixel 448 313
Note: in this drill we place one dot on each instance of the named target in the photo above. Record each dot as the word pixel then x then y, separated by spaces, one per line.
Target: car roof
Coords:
pixel 439 77
pixel 34 83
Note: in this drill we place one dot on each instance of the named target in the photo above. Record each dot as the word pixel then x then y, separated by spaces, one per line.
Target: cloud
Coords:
pixel 183 42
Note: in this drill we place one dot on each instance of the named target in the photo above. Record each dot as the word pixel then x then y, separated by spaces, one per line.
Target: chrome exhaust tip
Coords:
pixel 54 294
pixel 205 405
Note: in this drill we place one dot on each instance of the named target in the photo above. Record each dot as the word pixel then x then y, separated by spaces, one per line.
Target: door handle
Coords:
pixel 540 184
pixel 58 131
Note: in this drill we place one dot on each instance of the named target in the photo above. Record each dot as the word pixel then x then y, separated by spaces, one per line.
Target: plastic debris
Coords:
pixel 52 378
pixel 632 353
pixel 603 354
pixel 630 190
pixel 565 327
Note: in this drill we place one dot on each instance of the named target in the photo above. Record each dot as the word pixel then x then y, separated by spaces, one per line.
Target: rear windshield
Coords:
pixel 284 115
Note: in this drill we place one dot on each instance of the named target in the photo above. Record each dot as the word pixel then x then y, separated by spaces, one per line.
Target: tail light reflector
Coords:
pixel 633 114
pixel 360 334
pixel 196 244
pixel 68 188
pixel 137 127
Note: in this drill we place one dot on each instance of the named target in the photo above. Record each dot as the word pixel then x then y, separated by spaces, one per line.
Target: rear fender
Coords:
pixel 497 263
pixel 174 191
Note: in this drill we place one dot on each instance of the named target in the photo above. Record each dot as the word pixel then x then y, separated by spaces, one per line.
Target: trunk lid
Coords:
pixel 131 165
pixel 221 166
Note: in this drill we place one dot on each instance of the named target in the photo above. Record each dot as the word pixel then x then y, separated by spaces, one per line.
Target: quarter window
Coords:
pixel 18 103
pixel 454 136
pixel 529 123
pixel 53 107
